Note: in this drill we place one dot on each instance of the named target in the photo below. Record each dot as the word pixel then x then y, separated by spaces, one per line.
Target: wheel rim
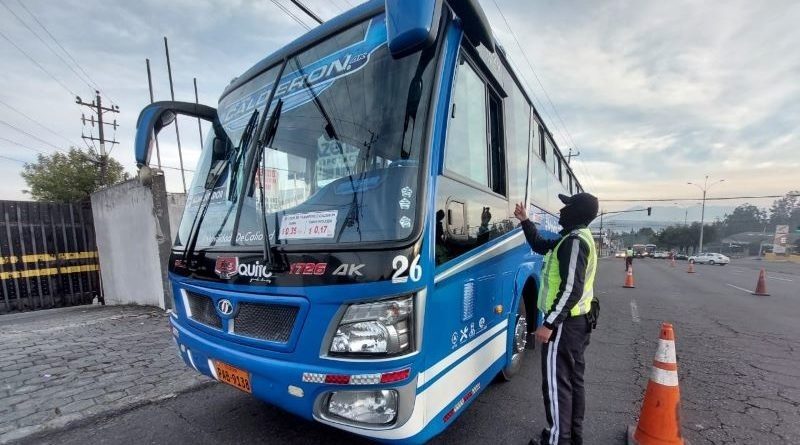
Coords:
pixel 520 336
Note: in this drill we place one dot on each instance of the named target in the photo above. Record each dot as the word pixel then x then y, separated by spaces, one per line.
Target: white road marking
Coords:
pixel 778 278
pixel 740 288
pixel 635 312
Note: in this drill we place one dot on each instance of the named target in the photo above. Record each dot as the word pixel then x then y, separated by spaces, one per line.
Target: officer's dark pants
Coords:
pixel 628 263
pixel 562 381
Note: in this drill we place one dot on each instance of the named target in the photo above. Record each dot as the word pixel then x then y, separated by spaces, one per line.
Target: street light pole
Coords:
pixel 704 189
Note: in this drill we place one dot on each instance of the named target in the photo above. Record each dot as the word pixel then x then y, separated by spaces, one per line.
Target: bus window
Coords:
pixel 550 149
pixel 467 143
pixel 518 129
pixel 560 163
pixel 498 158
pixel 571 184
pixel 542 149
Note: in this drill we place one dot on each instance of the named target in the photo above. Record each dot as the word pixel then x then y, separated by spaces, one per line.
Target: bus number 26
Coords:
pixel 401 266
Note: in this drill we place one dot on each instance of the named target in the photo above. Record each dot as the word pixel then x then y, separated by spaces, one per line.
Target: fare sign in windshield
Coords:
pixel 308 225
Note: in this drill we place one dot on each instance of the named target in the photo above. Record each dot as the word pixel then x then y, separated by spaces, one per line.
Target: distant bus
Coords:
pixel 643 250
pixel 348 251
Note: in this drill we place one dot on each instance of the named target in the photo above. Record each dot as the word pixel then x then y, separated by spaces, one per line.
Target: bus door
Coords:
pixel 472 211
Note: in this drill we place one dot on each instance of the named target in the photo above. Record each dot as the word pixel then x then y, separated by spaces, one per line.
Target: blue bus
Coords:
pixel 348 250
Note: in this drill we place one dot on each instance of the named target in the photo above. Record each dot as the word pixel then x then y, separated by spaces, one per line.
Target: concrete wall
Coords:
pixel 175 204
pixel 134 236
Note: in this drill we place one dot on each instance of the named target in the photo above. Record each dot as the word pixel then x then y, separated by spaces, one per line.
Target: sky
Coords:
pixel 653 94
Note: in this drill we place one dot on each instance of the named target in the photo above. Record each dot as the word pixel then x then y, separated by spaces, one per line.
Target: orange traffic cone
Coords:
pixel 629 278
pixel 761 286
pixel 672 262
pixel 691 267
pixel 659 421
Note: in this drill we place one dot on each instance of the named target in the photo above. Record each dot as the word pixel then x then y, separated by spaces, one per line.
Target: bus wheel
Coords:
pixel 518 349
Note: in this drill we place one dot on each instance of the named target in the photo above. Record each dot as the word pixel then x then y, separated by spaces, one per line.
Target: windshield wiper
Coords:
pixel 244 142
pixel 205 201
pixel 262 144
pixel 330 130
pixel 210 185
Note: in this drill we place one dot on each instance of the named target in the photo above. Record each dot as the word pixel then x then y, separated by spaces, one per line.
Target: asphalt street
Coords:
pixel 738 360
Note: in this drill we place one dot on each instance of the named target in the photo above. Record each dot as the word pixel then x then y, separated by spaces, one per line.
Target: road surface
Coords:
pixel 738 359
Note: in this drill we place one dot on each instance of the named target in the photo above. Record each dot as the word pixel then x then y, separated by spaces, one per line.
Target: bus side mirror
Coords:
pixel 411 25
pixel 158 115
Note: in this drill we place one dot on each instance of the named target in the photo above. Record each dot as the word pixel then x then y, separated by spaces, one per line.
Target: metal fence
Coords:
pixel 48 256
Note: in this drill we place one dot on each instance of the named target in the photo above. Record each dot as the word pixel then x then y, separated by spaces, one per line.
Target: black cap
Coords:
pixel 587 203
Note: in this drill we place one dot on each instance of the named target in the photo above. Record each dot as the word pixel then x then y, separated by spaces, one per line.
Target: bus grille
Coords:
pixel 203 310
pixel 271 322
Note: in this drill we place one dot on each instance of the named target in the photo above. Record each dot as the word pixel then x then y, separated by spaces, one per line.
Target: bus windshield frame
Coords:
pixel 346 165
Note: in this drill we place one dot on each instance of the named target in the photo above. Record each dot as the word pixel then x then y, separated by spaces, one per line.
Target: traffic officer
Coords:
pixel 628 259
pixel 566 298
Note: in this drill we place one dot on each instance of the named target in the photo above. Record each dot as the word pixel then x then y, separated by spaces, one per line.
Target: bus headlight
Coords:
pixel 372 407
pixel 382 327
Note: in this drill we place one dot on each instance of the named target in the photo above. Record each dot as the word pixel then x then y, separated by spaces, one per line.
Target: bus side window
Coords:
pixel 542 150
pixel 466 152
pixel 497 150
pixel 471 203
pixel 560 170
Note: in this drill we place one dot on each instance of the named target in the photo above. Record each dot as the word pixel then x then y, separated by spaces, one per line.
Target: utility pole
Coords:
pixel 177 132
pixel 704 189
pixel 570 155
pixel 150 87
pixel 98 109
pixel 197 101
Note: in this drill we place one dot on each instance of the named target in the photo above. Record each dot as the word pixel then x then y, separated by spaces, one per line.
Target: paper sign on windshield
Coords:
pixel 308 225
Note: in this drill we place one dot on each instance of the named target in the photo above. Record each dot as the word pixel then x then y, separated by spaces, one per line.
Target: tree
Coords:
pixel 71 176
pixel 786 210
pixel 685 237
pixel 744 218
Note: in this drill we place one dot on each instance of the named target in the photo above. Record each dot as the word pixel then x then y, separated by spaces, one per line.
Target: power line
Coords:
pixel 339 5
pixel 29 135
pixel 47 45
pixel 23 145
pixel 568 139
pixel 723 198
pixel 38 123
pixel 36 63
pixel 14 159
pixel 307 10
pixel 177 168
pixel 69 55
pixel 289 13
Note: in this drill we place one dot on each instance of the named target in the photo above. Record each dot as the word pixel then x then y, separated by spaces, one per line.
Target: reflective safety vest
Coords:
pixel 629 253
pixel 551 281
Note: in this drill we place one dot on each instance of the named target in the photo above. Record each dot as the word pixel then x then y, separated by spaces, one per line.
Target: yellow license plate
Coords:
pixel 233 376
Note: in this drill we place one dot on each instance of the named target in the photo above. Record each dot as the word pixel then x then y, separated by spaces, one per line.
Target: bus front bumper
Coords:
pixel 306 390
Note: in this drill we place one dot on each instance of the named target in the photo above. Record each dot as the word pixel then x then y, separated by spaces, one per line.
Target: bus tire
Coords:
pixel 518 348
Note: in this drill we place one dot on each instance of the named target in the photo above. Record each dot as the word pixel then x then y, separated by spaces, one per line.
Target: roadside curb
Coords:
pixel 69 422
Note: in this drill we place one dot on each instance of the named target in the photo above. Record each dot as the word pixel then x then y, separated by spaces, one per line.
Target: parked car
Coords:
pixel 681 256
pixel 661 254
pixel 710 258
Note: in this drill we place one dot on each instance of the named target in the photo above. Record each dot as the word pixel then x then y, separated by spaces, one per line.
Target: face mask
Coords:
pixel 570 217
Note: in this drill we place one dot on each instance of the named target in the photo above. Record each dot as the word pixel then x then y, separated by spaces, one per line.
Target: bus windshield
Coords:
pixel 343 165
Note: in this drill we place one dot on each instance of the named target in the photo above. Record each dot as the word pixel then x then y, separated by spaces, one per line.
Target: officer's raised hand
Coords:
pixel 520 213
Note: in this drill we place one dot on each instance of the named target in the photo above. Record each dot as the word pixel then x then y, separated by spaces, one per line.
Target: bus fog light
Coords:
pixel 372 407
